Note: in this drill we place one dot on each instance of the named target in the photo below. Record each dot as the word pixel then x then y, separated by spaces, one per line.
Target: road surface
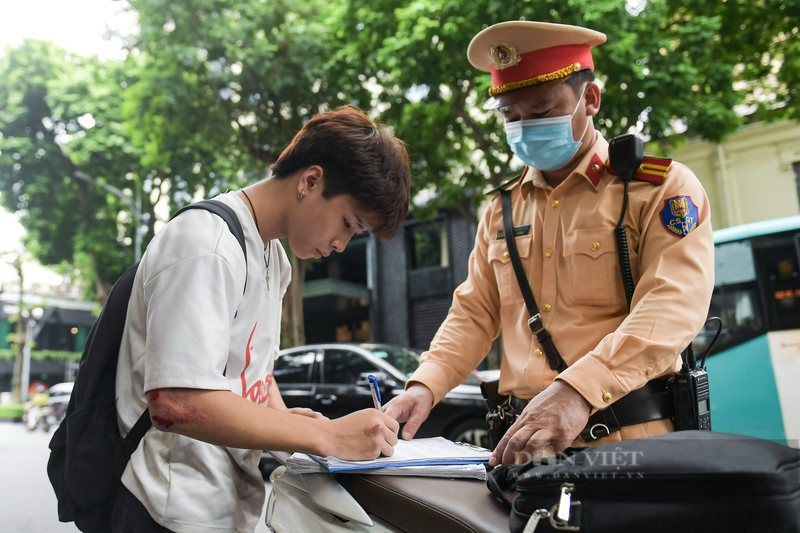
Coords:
pixel 27 501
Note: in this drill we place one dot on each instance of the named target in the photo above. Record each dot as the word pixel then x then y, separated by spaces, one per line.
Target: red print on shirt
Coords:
pixel 259 391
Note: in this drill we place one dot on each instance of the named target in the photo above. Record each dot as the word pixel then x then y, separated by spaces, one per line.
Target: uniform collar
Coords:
pixel 592 167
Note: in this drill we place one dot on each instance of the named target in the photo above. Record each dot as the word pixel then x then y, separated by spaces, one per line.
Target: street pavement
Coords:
pixel 27 501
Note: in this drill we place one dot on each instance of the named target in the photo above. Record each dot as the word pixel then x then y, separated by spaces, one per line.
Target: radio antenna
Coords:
pixel 711 344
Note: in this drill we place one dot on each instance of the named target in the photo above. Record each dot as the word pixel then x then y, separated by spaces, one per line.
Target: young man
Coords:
pixel 202 333
pixel 564 208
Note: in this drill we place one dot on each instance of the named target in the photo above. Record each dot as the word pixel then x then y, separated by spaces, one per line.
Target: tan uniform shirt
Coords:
pixel 570 257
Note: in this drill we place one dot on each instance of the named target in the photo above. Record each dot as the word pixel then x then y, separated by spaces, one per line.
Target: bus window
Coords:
pixel 735 299
pixel 733 263
pixel 777 263
pixel 738 308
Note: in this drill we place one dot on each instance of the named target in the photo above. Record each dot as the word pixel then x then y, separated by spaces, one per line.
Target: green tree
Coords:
pixel 60 118
pixel 667 64
pixel 223 88
pixel 213 90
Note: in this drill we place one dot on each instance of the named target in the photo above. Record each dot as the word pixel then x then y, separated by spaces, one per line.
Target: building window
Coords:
pixel 427 245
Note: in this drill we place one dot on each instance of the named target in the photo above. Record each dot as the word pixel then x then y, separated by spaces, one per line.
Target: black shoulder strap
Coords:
pixel 140 427
pixel 536 324
pixel 227 214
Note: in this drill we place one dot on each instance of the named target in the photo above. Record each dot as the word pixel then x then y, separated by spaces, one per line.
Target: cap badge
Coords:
pixel 504 55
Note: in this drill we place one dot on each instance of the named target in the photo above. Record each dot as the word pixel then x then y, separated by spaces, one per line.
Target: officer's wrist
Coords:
pixel 417 388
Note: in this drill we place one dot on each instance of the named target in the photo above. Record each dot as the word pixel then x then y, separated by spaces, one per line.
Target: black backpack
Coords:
pixel 689 481
pixel 87 453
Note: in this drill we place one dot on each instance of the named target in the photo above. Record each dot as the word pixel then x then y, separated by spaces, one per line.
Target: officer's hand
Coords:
pixel 556 416
pixel 412 407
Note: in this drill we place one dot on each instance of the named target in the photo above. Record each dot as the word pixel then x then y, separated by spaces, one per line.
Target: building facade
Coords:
pixel 753 175
pixel 415 275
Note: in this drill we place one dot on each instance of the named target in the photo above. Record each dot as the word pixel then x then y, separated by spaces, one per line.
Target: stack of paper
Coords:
pixel 434 457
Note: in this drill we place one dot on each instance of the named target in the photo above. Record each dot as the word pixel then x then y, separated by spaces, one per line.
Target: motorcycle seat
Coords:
pixel 422 504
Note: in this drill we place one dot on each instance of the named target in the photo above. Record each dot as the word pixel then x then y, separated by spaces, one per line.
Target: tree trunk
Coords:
pixel 16 379
pixel 101 288
pixel 293 325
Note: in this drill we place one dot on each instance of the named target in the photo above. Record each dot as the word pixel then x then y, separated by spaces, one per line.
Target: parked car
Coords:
pixel 332 379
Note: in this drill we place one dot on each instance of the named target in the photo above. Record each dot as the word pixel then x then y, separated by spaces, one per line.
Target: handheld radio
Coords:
pixel 690 396
pixel 690 391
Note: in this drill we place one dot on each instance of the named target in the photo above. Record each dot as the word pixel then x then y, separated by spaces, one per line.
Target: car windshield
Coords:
pixel 404 360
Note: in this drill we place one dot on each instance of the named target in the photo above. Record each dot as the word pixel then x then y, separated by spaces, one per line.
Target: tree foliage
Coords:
pixel 60 115
pixel 213 90
pixel 667 64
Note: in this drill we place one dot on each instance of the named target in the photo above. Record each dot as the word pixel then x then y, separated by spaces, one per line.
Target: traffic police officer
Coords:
pixel 565 206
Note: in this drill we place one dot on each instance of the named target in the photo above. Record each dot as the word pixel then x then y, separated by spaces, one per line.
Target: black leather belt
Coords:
pixel 651 402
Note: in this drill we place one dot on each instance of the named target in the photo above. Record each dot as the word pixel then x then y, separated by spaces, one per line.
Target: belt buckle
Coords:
pixel 535 324
pixel 600 427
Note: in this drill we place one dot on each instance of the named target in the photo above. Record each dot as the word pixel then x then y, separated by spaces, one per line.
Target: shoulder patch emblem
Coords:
pixel 679 215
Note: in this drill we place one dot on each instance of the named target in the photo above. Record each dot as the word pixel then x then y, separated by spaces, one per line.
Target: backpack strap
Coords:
pixel 535 322
pixel 140 427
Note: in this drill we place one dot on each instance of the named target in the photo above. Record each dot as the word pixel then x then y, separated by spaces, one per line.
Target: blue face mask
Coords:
pixel 545 143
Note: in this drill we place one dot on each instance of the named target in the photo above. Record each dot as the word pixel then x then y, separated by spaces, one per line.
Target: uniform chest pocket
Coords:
pixel 593 273
pixel 507 285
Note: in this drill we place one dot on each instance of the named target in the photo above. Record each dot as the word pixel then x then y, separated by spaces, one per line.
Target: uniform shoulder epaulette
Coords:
pixel 652 169
pixel 506 184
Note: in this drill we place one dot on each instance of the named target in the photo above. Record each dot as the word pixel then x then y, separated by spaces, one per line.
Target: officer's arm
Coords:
pixel 670 302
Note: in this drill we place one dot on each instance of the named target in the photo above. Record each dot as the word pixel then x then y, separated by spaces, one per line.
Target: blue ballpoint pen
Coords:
pixel 376 392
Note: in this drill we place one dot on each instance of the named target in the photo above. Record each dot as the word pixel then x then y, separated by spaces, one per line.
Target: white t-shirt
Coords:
pixel 180 331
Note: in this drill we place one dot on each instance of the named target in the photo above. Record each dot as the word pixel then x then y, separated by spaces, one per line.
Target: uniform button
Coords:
pixel 595 246
pixel 548 253
pixel 555 203
pixel 546 308
pixel 607 397
pixel 505 255
pixel 596 168
pixel 649 372
pixel 538 352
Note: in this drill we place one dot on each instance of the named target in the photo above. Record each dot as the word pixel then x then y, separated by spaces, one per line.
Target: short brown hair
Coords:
pixel 358 158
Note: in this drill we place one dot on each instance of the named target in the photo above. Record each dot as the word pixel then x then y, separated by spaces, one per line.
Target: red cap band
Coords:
pixel 543 63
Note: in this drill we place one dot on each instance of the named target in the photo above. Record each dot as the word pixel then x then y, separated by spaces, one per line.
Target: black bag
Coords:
pixel 87 453
pixel 688 481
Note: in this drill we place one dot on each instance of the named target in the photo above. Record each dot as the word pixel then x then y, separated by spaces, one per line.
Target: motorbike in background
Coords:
pixel 39 417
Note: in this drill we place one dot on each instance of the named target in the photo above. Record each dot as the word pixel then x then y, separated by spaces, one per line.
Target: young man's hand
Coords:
pixel 412 407
pixel 305 411
pixel 555 417
pixel 360 436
